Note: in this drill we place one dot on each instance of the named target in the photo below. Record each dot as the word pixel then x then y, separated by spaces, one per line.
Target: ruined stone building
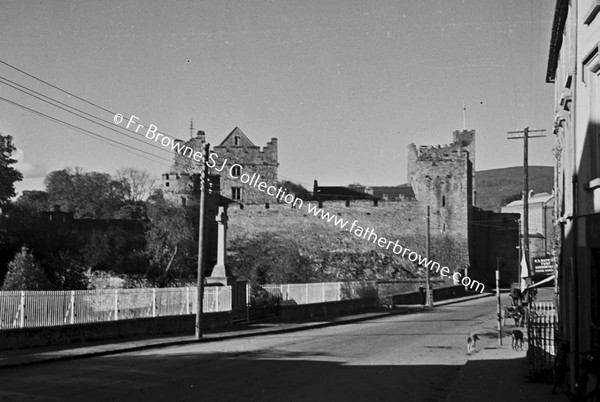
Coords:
pixel 442 178
pixel 240 156
pixel 181 184
pixel 248 158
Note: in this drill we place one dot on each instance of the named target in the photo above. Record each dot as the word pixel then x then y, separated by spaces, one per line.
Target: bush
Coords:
pixel 260 298
pixel 66 271
pixel 25 273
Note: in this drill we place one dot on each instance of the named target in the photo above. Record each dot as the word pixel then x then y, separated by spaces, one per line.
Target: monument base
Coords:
pixel 224 280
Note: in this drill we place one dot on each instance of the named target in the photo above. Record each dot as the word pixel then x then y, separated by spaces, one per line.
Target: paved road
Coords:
pixel 402 358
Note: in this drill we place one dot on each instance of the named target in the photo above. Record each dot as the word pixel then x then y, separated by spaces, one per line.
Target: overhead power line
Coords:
pixel 2 79
pixel 86 132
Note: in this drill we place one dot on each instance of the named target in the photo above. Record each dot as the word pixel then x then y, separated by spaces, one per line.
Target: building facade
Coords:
pixel 574 68
pixel 241 156
pixel 541 224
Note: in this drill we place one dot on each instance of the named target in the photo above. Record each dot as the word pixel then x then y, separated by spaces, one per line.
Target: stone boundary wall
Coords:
pixel 445 293
pixel 302 311
pixel 109 330
pixel 144 327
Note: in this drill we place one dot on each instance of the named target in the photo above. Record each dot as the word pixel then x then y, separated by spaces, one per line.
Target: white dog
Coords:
pixel 472 343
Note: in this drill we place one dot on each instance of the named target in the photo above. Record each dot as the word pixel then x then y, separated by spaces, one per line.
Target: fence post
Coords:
pixel 323 288
pixel 217 302
pixel 306 292
pixel 116 304
pixel 153 302
pixel 247 301
pixel 72 307
pixel 22 310
pixel 187 300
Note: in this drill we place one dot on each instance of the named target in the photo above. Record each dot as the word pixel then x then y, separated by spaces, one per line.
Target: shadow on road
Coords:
pixel 266 375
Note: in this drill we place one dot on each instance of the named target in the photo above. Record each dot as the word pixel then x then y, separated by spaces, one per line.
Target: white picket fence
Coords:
pixel 307 293
pixel 21 309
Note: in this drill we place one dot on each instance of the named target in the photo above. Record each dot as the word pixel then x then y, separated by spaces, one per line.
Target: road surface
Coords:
pixel 401 358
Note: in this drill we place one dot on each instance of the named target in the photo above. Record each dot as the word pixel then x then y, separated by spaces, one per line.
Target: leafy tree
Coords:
pixel 112 250
pixel 8 174
pixel 138 184
pixel 25 273
pixel 87 195
pixel 170 242
pixel 66 271
pixel 34 200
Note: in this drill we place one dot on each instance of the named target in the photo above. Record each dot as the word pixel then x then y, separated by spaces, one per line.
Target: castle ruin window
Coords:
pixel 236 140
pixel 236 170
pixel 167 184
pixel 236 193
pixel 443 200
pixel 183 201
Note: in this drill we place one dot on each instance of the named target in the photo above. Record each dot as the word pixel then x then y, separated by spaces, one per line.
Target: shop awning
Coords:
pixel 535 285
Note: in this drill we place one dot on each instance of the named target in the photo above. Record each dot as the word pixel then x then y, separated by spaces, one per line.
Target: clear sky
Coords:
pixel 344 85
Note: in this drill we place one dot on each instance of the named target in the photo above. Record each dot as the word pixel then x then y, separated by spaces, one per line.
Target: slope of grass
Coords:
pixel 495 186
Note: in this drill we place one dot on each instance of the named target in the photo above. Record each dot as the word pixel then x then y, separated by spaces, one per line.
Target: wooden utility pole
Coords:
pixel 499 301
pixel 428 294
pixel 202 212
pixel 525 135
pixel 520 247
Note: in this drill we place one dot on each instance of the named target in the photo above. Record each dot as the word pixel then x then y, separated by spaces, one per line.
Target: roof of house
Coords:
pixel 236 132
pixel 394 192
pixel 341 193
pixel 540 198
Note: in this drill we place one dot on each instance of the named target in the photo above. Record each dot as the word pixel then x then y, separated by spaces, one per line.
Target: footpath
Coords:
pixel 29 356
pixel 497 373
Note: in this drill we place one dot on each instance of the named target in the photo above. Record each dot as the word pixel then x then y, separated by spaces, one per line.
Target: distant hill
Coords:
pixel 495 185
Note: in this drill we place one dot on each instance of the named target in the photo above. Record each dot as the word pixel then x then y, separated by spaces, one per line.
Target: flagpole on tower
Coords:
pixel 464 115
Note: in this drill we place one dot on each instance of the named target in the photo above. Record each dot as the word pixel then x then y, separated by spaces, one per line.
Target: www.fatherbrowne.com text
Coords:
pixel 281 194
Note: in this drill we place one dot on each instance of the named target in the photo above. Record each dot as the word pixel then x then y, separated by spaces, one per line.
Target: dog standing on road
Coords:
pixel 517 340
pixel 472 343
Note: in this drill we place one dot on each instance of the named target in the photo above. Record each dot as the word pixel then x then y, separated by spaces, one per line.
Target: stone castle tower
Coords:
pixel 181 185
pixel 442 177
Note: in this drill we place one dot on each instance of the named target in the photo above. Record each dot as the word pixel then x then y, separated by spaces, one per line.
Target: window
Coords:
pixel 236 193
pixel 167 184
pixel 236 140
pixel 183 201
pixel 236 171
pixel 591 77
pixel 443 200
